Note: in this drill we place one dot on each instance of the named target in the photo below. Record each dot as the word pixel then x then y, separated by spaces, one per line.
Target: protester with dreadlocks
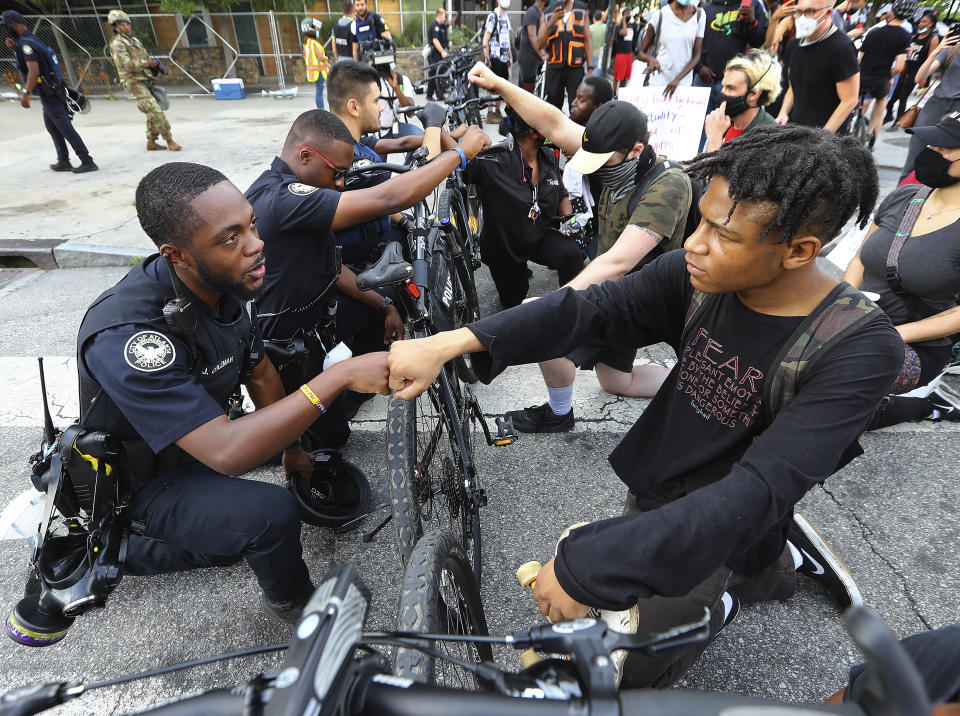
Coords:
pixel 780 368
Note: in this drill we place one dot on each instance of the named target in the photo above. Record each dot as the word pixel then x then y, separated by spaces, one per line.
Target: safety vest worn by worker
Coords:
pixel 566 41
pixel 315 60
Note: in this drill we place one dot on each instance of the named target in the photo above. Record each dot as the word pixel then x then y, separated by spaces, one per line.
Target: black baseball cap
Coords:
pixel 615 126
pixel 946 133
pixel 12 16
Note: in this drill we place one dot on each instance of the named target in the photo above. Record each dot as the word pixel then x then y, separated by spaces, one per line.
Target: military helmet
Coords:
pixel 115 16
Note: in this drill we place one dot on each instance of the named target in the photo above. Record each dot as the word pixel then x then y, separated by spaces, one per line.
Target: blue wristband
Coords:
pixel 463 158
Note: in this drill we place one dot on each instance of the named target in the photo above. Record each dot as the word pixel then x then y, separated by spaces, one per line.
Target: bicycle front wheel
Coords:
pixel 441 595
pixel 427 486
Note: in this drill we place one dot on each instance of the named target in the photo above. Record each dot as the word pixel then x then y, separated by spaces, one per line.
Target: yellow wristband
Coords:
pixel 312 397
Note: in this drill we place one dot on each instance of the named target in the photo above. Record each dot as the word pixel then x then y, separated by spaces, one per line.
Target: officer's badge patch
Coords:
pixel 27 50
pixel 301 189
pixel 149 351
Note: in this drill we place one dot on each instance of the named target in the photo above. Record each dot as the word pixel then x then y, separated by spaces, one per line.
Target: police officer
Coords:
pixel 158 373
pixel 134 66
pixel 345 34
pixel 370 25
pixel 299 205
pixel 314 58
pixel 439 43
pixel 41 75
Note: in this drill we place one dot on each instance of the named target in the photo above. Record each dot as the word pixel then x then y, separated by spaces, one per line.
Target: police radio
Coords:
pixel 179 313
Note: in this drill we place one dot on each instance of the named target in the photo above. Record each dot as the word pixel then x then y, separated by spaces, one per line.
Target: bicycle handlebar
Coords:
pixel 476 100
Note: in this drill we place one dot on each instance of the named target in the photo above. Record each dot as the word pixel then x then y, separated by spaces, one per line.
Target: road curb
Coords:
pixel 69 255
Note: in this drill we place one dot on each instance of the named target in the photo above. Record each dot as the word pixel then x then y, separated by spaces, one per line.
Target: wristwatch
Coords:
pixel 387 301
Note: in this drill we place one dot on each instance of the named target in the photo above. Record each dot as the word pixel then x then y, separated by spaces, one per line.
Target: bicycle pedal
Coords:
pixel 506 433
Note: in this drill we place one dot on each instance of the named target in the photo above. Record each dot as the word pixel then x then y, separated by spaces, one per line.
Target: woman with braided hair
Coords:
pixel 747 421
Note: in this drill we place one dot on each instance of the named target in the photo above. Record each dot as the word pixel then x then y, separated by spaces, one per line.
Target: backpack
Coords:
pixel 693 214
pixel 840 314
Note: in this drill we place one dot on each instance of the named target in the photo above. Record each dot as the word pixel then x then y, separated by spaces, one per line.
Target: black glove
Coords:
pixel 432 115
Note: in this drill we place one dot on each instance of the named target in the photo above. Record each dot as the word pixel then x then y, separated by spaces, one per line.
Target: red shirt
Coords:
pixel 733 133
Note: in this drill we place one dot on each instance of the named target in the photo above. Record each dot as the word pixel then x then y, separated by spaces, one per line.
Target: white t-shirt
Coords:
pixel 674 47
pixel 388 115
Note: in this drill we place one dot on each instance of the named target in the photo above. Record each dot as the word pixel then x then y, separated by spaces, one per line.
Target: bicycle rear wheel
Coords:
pixel 427 485
pixel 441 595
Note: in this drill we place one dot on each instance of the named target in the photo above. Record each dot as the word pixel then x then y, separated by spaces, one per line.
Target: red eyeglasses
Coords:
pixel 338 174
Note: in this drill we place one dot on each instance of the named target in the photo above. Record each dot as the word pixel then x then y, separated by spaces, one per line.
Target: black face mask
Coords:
pixel 932 169
pixel 736 104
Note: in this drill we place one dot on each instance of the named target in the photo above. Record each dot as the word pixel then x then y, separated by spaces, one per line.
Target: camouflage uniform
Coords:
pixel 662 209
pixel 131 59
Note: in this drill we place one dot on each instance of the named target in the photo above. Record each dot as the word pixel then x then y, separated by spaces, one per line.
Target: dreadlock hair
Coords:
pixel 318 125
pixel 163 199
pixel 815 179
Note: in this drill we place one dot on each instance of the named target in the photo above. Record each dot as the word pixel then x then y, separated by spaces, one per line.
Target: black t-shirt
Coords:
pixel 437 32
pixel 880 48
pixel 718 487
pixel 918 51
pixel 294 222
pixel 506 190
pixel 625 42
pixel 727 35
pixel 929 264
pixel 530 17
pixel 815 70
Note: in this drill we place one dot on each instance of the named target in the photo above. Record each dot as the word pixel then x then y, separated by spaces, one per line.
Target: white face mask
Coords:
pixel 806 26
pixel 505 4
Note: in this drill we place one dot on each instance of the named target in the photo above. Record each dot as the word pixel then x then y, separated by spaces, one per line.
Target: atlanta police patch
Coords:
pixel 149 351
pixel 301 189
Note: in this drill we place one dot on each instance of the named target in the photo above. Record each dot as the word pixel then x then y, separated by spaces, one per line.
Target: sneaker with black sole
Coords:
pixel 732 615
pixel 286 611
pixel 822 564
pixel 87 166
pixel 64 166
pixel 540 419
pixel 945 403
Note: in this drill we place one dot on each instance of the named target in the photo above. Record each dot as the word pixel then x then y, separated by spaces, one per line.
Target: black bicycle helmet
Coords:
pixel 905 9
pixel 337 493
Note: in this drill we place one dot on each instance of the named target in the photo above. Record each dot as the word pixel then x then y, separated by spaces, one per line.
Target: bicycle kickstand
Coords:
pixel 506 433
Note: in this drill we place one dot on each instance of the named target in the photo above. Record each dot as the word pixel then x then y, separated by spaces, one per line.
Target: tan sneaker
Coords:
pixel 153 146
pixel 171 145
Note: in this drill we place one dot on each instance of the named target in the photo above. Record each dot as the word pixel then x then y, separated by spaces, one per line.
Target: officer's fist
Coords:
pixel 25 100
pixel 483 76
pixel 474 141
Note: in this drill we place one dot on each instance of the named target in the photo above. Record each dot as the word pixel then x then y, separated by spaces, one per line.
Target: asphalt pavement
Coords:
pixel 891 514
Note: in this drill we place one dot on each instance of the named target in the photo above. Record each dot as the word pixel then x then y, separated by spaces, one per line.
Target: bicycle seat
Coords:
pixel 390 268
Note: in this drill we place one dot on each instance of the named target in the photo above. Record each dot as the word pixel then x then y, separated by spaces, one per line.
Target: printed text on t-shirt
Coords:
pixel 719 386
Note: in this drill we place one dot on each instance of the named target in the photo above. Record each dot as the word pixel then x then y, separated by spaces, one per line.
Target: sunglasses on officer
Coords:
pixel 338 174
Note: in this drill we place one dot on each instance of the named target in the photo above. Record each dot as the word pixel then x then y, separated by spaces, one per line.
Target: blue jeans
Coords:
pixel 711 105
pixel 597 70
pixel 320 84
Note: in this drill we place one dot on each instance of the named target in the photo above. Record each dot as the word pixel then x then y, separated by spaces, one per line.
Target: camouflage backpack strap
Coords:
pixel 841 313
pixel 698 300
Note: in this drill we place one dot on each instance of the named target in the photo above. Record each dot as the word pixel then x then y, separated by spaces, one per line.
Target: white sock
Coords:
pixel 561 399
pixel 935 414
pixel 727 604
pixel 797 557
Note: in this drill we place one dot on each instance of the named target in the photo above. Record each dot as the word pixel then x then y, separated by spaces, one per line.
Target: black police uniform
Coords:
pixel 303 263
pixel 359 244
pixel 510 236
pixel 370 27
pixel 344 37
pixel 436 32
pixel 141 383
pixel 52 93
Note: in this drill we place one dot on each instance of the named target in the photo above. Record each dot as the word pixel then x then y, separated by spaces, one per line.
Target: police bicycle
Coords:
pixel 332 668
pixel 450 75
pixel 431 469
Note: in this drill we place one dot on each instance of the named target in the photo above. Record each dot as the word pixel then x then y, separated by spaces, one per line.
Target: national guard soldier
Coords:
pixel 345 34
pixel 159 356
pixel 314 58
pixel 134 68
pixel 41 74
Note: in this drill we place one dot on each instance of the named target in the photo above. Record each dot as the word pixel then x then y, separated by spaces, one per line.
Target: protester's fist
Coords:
pixel 414 365
pixel 783 118
pixel 473 142
pixel 367 373
pixel 483 76
pixel 432 115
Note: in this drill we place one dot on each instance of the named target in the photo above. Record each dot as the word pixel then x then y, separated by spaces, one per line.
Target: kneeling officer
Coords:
pixel 149 380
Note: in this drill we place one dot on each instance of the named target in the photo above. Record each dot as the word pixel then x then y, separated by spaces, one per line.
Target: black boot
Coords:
pixel 62 165
pixel 87 165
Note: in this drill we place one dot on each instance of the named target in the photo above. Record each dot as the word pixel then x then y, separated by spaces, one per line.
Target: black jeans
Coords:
pixel 555 251
pixel 778 581
pixel 58 123
pixel 559 80
pixel 195 517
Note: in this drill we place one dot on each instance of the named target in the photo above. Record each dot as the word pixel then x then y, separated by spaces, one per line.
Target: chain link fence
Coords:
pixel 262 48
